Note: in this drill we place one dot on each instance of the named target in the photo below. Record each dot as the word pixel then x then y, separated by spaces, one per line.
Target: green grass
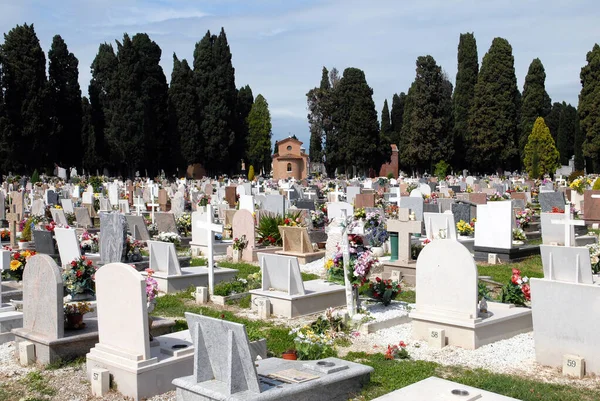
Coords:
pixel 37 383
pixel 195 262
pixel 390 375
pixel 407 296
pixel 244 269
pixel 309 276
pixel 244 302
pixel 66 363
pixel 530 267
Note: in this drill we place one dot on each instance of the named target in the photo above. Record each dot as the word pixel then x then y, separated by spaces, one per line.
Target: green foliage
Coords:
pixel 319 116
pixel 37 383
pixel 396 118
pixel 568 131
pixel 245 99
pixel 441 170
pixel 483 290
pixel 66 106
pixel 427 121
pixel 596 186
pixel 386 125
pixel 536 102
pixel 35 177
pixel 26 233
pixel 494 117
pixel 464 94
pixel 541 156
pixel 390 176
pixel 183 100
pixel 96 183
pixel 589 112
pixel 259 134
pixel 225 288
pixel 575 174
pixel 251 173
pixel 267 232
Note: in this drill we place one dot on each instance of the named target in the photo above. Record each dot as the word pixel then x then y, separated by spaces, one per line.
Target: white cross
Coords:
pixel 336 194
pixel 153 206
pixel 350 305
pixel 288 190
pixel 211 228
pixel 138 205
pixel 310 194
pixel 569 224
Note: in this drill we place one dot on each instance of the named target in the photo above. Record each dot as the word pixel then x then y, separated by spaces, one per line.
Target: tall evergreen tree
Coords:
pixel 259 138
pixel 427 121
pixel 245 100
pixel 494 119
pixel 355 139
pixel 25 123
pixel 102 91
pixel 396 116
pixel 464 94
pixel 65 96
pixel 319 116
pixel 183 100
pixel 386 124
pixel 553 119
pixel 540 155
pixel 569 125
pixel 89 155
pixel 578 146
pixel 589 112
pixel 536 102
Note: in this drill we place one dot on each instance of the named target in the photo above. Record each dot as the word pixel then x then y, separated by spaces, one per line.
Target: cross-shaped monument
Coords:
pixel 13 218
pixel 211 227
pixel 405 228
pixel 336 194
pixel 569 224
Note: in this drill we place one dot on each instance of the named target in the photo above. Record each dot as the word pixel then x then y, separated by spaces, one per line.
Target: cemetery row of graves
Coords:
pixel 326 289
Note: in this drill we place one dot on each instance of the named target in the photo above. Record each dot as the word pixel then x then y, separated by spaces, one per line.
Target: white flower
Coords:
pixel 525 279
pixel 519 281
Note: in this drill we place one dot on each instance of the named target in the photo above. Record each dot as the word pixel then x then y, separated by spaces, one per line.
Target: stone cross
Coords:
pixel 211 228
pixel 404 227
pixel 569 224
pixel 350 305
pixel 337 193
pixel 138 205
pixel 13 218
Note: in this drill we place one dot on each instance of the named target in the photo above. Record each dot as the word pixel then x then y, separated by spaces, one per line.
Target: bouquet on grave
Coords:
pixel 518 234
pixel 311 345
pixel 79 276
pixel 594 257
pixel 240 243
pixel 168 237
pixel 133 249
pixel 17 263
pixel 89 242
pixel 5 234
pixel 397 351
pixel 184 224
pixel 580 184
pixel 498 197
pixel 524 217
pixel 391 211
pixel 465 228
pixel 318 218
pixel 151 288
pixel 203 200
pixel 360 213
pixel 517 291
pixel 383 291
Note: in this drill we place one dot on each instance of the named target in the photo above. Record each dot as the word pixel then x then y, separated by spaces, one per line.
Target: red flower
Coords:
pixel 17 255
pixel 89 262
pixel 402 344
pixel 82 257
pixel 79 273
pixel 516 271
pixel 73 263
pixel 526 291
pixel 378 279
pixel 514 279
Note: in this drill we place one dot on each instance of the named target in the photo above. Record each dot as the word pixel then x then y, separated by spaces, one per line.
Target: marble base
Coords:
pixel 219 248
pixel 331 384
pixel 141 379
pixel 9 320
pixel 513 254
pixel 304 258
pixel 319 296
pixel 501 322
pixel 191 276
pixel 408 271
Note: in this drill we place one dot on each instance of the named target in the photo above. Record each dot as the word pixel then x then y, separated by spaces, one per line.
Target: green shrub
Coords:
pixel 441 170
pixel 226 288
pixel 390 176
pixel 574 175
pixel 35 177
pixel 596 186
pixel 26 233
pixel 251 173
pixel 96 183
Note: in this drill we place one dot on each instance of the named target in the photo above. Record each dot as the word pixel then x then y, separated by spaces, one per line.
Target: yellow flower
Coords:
pixel 329 264
pixel 15 264
pixel 27 254
pixel 57 207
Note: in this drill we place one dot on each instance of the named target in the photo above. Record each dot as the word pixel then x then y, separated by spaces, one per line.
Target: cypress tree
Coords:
pixel 386 125
pixel 102 91
pixel 355 134
pixel 65 96
pixel 464 94
pixel 396 116
pixel 259 137
pixel 540 154
pixel 319 116
pixel 25 123
pixel 183 100
pixel 589 112
pixel 494 117
pixel 536 102
pixel 427 121
pixel 578 145
pixel 88 137
pixel 245 99
pixel 568 126
pixel 553 119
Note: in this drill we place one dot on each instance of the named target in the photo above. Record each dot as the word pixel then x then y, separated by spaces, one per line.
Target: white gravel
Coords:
pixel 379 313
pixel 317 267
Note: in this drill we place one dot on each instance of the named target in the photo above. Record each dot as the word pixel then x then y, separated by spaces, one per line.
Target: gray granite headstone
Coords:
pixel 548 200
pixel 431 208
pixel 445 204
pixel 305 204
pixel 455 188
pixel 165 222
pixel 137 227
pixel 317 236
pixel 52 197
pixel 275 204
pixel 413 203
pixel 113 231
pixel 461 211
pixel 82 215
pixel 43 298
pixel 44 242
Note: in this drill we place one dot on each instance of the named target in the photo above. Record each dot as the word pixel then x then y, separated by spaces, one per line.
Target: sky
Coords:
pixel 280 46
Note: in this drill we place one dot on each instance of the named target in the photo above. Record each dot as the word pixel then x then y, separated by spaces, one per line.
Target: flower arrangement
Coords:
pixel 430 198
pixel 517 290
pixel 391 211
pixel 5 234
pixel 133 249
pixel 373 220
pixel 292 222
pixel 79 308
pixel 465 228
pixel 151 287
pixel 594 257
pixel 17 264
pixel 184 224
pixel 360 213
pixel 524 217
pixel 498 197
pixel 310 345
pixel 79 276
pixel 240 243
pixel 377 236
pixel 411 187
pixel 397 351
pixel 383 291
pixel 318 218
pixel 152 229
pixel 89 242
pixel 518 188
pixel 168 237
pixel 580 184
pixel 518 234
pixel 469 189
pixel 361 262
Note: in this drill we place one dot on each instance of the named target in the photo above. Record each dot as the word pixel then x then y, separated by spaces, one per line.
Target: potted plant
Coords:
pixel 238 246
pixel 377 237
pixel 17 264
pixel 74 315
pixel 25 234
pixel 290 355
pixel 519 236
pixel 465 229
pixel 383 291
pixel 78 278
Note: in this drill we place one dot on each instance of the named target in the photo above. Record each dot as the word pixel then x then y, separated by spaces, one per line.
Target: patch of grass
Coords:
pixel 407 296
pixel 66 363
pixel 9 393
pixel 309 276
pixel 530 267
pixel 180 325
pixel 243 302
pixel 195 262
pixel 37 383
pixel 244 269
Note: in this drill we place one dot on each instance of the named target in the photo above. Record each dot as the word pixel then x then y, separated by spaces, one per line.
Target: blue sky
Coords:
pixel 279 46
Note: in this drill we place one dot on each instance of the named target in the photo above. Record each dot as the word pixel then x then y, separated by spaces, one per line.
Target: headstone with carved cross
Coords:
pixel 211 228
pixel 13 219
pixel 569 224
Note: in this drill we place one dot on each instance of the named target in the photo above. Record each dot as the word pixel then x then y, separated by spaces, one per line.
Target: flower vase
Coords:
pixel 377 251
pixel 289 356
pixel 74 321
pixel 23 245
pixel 237 253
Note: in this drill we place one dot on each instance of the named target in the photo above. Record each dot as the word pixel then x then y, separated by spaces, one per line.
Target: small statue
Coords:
pixel 483 308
